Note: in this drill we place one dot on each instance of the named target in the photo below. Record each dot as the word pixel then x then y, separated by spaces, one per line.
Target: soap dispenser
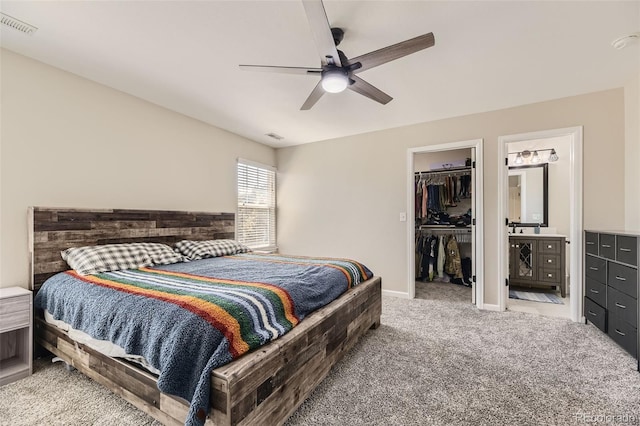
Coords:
pixel 537 229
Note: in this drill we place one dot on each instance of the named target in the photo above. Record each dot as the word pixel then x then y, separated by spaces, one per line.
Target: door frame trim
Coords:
pixel 478 213
pixel 575 213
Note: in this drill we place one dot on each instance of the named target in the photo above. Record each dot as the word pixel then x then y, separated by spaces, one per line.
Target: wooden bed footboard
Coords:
pixel 264 386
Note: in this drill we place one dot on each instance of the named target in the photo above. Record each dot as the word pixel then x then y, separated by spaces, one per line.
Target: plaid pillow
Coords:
pixel 110 257
pixel 195 250
pixel 160 254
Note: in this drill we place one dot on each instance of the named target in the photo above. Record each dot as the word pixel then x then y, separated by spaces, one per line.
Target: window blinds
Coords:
pixel 256 219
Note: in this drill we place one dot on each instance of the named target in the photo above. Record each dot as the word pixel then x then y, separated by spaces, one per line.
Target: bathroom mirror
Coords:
pixel 529 195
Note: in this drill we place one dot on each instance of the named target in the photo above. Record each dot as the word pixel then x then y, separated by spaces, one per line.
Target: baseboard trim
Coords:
pixel 398 294
pixel 489 307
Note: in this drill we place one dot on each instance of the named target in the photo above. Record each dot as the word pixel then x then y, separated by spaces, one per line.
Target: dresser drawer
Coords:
pixel 13 320
pixel 622 306
pixel 549 261
pixel 627 250
pixel 596 268
pixel 549 246
pixel 623 278
pixel 15 304
pixel 607 246
pixel 549 275
pixel 596 314
pixel 591 242
pixel 596 291
pixel 624 334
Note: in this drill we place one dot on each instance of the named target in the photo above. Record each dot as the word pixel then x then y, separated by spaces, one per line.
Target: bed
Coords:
pixel 268 383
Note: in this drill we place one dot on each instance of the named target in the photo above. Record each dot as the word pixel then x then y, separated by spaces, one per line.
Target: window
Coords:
pixel 256 219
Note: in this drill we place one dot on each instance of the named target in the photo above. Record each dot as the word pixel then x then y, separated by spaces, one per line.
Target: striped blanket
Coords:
pixel 187 319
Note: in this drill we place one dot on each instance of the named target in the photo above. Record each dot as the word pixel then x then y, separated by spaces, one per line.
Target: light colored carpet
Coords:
pixel 435 360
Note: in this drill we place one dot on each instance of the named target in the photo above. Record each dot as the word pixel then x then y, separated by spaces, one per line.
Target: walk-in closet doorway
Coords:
pixel 453 183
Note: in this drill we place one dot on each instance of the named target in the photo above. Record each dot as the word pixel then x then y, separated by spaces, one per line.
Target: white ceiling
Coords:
pixel 184 55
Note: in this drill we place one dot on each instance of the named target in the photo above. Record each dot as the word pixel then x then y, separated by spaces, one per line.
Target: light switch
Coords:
pixel 403 217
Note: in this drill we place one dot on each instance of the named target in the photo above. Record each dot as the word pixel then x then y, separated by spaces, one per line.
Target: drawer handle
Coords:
pixel 549 275
pixel 606 246
pixel 594 291
pixel 593 268
pixel 620 332
pixel 590 243
pixel 549 261
pixel 624 249
pixel 593 313
pixel 620 306
pixel 549 246
pixel 620 278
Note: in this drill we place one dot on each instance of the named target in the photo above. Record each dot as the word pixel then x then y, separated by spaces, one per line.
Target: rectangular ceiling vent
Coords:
pixel 275 136
pixel 17 24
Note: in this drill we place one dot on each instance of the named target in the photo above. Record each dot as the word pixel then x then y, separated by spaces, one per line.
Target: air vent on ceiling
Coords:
pixel 17 24
pixel 275 136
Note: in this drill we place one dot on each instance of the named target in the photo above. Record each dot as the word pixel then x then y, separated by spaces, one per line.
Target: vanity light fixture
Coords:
pixel 535 156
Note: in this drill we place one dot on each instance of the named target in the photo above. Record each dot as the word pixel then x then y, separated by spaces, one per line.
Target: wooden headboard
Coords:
pixel 52 230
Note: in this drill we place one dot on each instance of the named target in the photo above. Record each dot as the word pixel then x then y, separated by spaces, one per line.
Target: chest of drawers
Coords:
pixel 611 282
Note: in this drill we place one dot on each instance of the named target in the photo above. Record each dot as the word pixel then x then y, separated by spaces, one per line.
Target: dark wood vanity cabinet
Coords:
pixel 537 261
pixel 611 282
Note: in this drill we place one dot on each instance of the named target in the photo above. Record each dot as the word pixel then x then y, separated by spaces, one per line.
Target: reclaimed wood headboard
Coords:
pixel 52 230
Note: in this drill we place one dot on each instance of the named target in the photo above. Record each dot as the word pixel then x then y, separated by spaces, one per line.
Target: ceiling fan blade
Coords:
pixel 321 31
pixel 368 90
pixel 389 53
pixel 285 70
pixel 316 93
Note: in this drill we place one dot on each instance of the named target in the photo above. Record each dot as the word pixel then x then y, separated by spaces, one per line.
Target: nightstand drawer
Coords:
pixel 549 261
pixel 623 278
pixel 14 320
pixel 596 268
pixel 549 247
pixel 596 291
pixel 15 304
pixel 595 314
pixel 622 306
pixel 624 334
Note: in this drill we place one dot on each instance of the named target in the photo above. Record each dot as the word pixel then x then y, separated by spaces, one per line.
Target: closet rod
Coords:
pixel 457 170
pixel 447 229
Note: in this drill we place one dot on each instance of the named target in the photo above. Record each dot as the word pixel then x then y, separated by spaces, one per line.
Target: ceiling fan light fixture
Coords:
pixel 334 80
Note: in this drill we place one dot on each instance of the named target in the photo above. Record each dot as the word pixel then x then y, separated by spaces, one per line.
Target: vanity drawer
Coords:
pixel 549 275
pixel 549 261
pixel 591 242
pixel 596 268
pixel 624 334
pixel 622 306
pixel 607 246
pixel 549 246
pixel 596 314
pixel 596 291
pixel 623 278
pixel 627 250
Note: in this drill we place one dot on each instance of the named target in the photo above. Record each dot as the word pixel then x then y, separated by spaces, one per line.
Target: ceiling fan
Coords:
pixel 337 72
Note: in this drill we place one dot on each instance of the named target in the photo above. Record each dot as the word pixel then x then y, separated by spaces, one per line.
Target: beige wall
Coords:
pixel 70 142
pixel 632 154
pixel 422 162
pixel 342 197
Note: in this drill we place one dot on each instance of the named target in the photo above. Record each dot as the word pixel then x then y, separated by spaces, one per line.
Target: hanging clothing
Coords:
pixel 441 256
pixel 453 264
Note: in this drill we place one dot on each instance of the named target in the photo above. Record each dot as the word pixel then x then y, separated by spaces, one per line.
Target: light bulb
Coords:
pixel 334 80
pixel 553 156
pixel 518 158
pixel 535 158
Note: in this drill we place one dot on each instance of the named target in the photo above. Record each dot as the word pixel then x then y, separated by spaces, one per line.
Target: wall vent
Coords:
pixel 17 24
pixel 275 136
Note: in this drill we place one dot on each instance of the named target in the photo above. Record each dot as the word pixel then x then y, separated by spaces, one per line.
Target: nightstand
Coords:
pixel 15 334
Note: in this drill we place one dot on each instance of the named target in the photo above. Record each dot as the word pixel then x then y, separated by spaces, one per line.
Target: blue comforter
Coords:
pixel 187 319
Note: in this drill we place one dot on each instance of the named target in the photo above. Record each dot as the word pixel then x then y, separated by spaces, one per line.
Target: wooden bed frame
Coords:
pixel 266 385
